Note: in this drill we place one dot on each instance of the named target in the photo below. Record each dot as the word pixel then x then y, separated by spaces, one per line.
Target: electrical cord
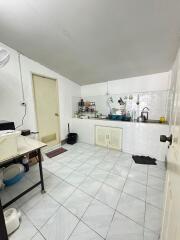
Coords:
pixel 22 121
pixel 23 95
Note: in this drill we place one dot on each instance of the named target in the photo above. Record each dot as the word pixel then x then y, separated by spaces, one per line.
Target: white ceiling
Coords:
pixel 94 40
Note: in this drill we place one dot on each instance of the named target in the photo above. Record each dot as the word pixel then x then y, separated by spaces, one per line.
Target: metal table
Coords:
pixel 26 145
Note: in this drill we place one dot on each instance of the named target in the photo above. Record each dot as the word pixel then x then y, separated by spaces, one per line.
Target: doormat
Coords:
pixel 56 152
pixel 144 160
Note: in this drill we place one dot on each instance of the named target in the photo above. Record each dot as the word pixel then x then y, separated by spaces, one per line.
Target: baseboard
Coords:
pixel 63 141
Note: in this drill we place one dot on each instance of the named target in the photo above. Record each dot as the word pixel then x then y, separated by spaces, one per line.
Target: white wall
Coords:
pixel 11 95
pixel 173 86
pixel 154 82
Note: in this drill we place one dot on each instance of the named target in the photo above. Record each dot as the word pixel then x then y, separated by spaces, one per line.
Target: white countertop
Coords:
pixel 123 122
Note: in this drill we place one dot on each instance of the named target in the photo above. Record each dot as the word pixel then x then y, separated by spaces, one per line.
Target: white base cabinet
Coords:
pixel 110 137
pixel 138 138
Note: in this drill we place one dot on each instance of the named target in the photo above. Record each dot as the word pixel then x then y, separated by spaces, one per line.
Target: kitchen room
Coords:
pixel 150 93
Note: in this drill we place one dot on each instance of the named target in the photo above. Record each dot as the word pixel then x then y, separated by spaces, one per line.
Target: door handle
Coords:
pixel 56 114
pixel 164 138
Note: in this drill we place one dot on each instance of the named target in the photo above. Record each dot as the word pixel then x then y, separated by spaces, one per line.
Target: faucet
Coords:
pixel 145 113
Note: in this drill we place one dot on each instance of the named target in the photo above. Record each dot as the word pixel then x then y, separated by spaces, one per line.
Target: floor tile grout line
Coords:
pixel 109 171
pixel 62 179
pixel 92 228
pixel 131 195
pixel 83 164
pixel 117 204
pixel 103 182
pixel 106 177
pixel 60 205
pixel 145 203
pixel 74 229
pixel 71 212
pixel 38 229
pixel 40 234
pixel 81 218
pixel 120 212
pixel 93 197
pixel 155 188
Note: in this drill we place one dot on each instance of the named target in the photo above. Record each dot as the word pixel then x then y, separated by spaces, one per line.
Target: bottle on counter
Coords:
pixel 162 120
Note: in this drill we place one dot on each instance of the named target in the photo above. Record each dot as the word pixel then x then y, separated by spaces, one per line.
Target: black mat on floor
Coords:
pixel 144 160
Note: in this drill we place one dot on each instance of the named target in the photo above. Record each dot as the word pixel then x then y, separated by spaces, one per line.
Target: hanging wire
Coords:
pixel 23 95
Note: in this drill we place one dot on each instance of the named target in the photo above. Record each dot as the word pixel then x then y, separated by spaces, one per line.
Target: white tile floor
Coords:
pixel 91 194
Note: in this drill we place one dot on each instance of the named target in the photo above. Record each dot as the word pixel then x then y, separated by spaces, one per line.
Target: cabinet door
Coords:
pixel 115 138
pixel 101 136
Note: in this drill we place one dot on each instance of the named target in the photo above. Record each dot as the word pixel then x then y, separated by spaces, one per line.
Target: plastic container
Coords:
pixel 13 174
pixel 12 219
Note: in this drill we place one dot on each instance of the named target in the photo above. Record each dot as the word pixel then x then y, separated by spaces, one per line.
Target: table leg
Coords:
pixel 3 231
pixel 41 171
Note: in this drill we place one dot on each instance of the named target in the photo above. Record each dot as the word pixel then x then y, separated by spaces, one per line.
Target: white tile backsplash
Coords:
pixel 156 101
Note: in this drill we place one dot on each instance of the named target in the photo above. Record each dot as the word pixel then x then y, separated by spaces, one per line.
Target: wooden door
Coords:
pixel 171 218
pixel 101 136
pixel 47 109
pixel 115 138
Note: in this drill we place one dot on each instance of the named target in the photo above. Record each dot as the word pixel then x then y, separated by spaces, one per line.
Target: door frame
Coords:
pixel 58 105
